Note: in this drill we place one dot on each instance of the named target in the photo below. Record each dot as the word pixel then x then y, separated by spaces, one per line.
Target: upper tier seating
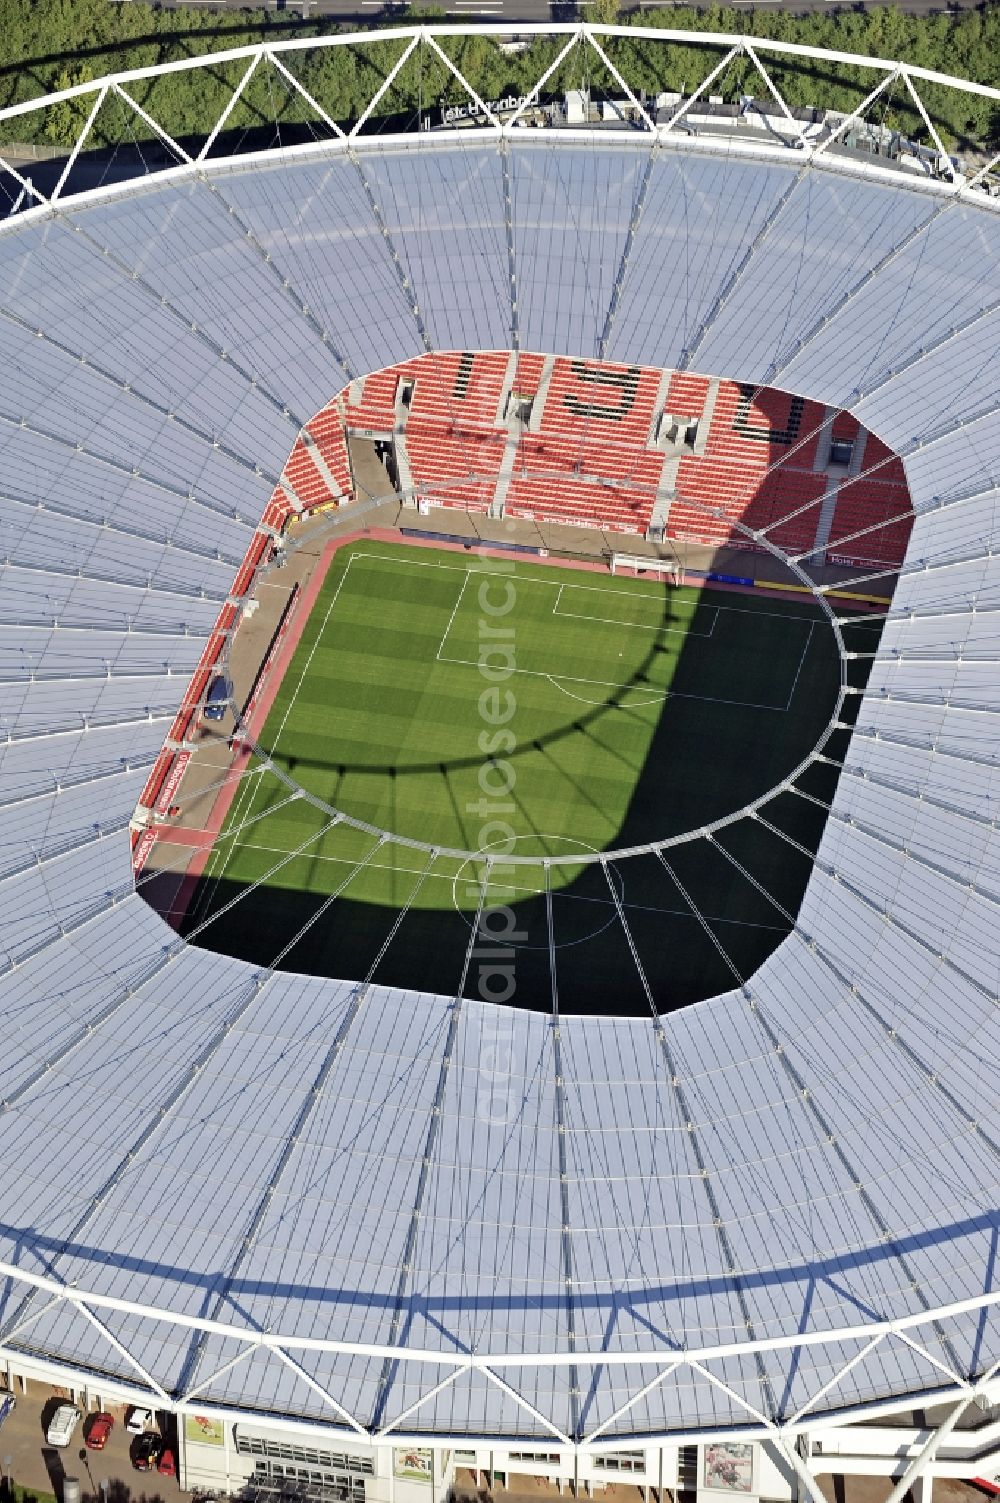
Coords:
pixel 576 441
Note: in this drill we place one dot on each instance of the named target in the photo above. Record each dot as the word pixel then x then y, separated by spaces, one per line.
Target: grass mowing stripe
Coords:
pixel 371 720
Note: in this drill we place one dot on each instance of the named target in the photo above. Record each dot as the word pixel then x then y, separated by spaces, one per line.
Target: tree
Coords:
pixel 64 121
pixel 602 12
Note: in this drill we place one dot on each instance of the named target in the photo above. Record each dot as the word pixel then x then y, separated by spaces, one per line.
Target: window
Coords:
pixel 280 1450
pixel 621 1461
pixel 548 1458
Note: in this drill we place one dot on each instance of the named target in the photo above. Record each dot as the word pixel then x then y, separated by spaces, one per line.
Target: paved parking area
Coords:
pixel 40 1468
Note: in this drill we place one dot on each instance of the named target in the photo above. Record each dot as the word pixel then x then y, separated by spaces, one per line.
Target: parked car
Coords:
pixel 217 699
pixel 8 1404
pixel 98 1430
pixel 138 1420
pixel 62 1424
pixel 167 1464
pixel 146 1451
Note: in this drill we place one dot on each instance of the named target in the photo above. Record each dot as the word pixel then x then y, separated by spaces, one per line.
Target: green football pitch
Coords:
pixel 469 704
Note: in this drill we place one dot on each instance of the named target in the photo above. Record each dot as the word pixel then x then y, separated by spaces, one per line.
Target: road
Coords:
pixel 364 11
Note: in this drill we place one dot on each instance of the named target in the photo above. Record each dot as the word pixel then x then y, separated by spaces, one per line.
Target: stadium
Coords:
pixel 498 773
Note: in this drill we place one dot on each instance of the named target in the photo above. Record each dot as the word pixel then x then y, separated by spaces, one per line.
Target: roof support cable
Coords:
pixel 106 673
pixel 905 616
pixel 168 632
pixel 936 701
pixel 566 1237
pixel 891 785
pixel 103 524
pixel 106 253
pixel 406 285
pixel 929 744
pixel 919 568
pixel 822 320
pixel 127 388
pixel 288 291
pixel 847 821
pixel 96 833
pixel 63 928
pixel 150 716
pixel 182 854
pixel 626 255
pixel 130 986
pixel 687 1122
pixel 808 1097
pixel 126 1162
pixel 833 874
pixel 408 1255
pixel 508 225
pixel 692 346
pixel 845 980
pixel 358 996
pixel 143 586
pixel 68 780
pixel 131 472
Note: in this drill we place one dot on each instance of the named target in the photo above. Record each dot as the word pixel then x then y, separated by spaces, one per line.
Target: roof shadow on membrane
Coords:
pixel 700 915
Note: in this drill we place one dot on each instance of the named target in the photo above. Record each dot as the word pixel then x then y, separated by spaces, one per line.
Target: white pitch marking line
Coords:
pixel 633 704
pixel 247 789
pixel 795 680
pixel 273 750
pixel 677 631
pixel 530 891
pixel 560 680
pixel 611 589
pixel 560 585
pixel 605 589
pixel 451 621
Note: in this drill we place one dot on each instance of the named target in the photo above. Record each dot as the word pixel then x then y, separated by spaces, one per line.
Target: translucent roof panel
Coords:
pixel 810 1153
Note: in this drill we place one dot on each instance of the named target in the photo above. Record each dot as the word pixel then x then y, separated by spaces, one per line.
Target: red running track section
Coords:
pixel 575 441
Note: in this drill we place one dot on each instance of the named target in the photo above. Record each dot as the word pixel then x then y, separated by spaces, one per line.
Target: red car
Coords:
pixel 167 1464
pixel 98 1431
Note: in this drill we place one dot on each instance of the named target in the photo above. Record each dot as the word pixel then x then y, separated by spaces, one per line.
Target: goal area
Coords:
pixel 667 569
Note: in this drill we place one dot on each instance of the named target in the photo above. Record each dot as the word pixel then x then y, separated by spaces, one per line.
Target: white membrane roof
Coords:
pixel 750 1195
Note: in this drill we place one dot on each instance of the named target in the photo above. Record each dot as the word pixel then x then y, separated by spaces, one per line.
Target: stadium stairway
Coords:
pixel 621 448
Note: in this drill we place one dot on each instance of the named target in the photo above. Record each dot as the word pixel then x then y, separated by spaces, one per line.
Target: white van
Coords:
pixel 62 1424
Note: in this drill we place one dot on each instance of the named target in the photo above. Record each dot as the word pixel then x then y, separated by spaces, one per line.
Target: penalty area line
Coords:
pixel 559 680
pixel 802 658
pixel 451 621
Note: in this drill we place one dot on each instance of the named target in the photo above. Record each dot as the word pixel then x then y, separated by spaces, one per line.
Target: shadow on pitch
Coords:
pixel 712 906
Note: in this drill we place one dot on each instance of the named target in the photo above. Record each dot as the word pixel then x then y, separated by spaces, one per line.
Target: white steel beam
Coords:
pixel 648 123
pixel 230 105
pixel 921 1462
pixel 99 99
pixel 154 125
pixel 275 60
pixel 431 41
pixel 389 80
pixel 447 1356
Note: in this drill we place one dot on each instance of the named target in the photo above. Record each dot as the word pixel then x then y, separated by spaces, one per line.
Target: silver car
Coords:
pixel 62 1424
